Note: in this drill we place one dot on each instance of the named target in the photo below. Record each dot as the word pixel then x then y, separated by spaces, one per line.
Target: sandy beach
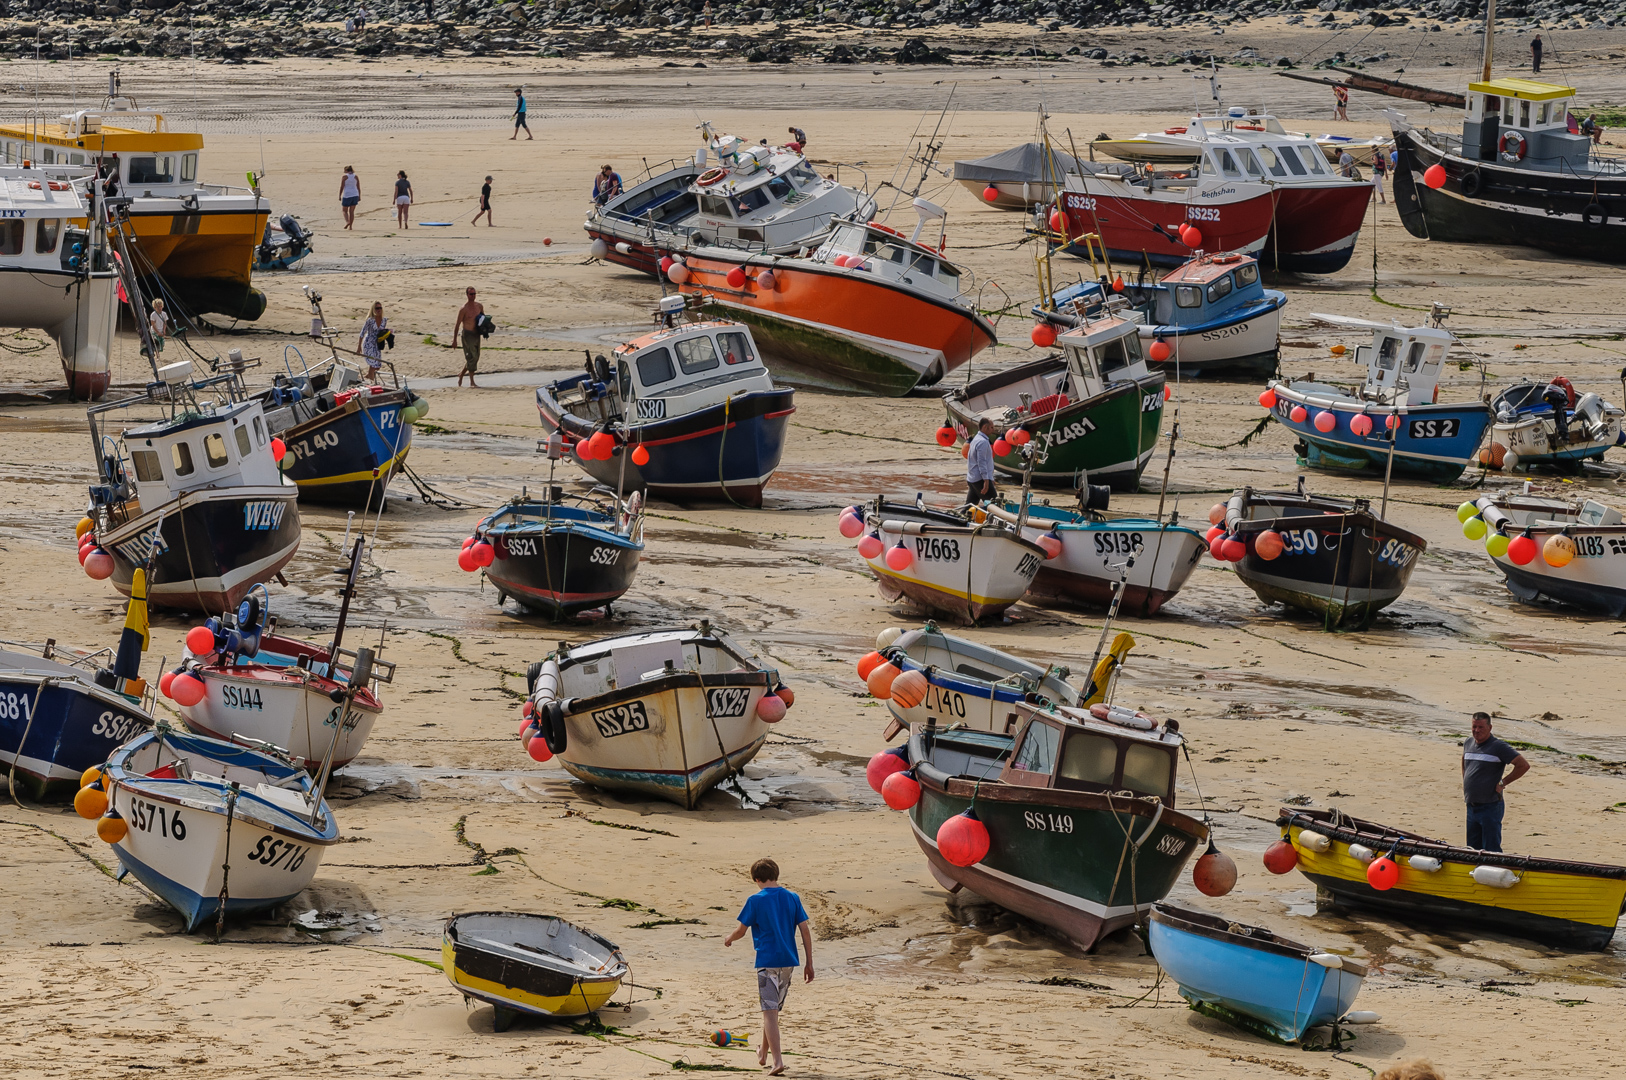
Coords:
pixel 444 812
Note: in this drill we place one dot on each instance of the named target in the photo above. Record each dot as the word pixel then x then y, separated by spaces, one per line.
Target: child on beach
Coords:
pixel 774 914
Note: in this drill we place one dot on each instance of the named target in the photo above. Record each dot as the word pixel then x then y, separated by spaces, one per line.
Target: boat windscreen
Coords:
pixel 736 349
pixel 1121 352
pixel 1038 750
pixel 655 366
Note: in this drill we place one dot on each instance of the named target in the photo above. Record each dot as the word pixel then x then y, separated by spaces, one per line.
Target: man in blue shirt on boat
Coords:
pixel 979 464
pixel 1484 757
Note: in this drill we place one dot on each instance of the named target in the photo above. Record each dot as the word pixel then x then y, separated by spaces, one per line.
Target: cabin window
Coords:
pixel 1293 162
pixel 1119 353
pixel 189 167
pixel 48 156
pixel 1038 753
pixel 152 170
pixel 1492 105
pixel 948 274
pixel 1414 357
pixel 214 448
pixel 11 237
pixel 1388 353
pixel 1147 769
pixel 804 174
pixel 749 200
pixel 736 349
pixel 848 238
pixel 243 447
pixel 1090 759
pixel 180 455
pixel 1247 273
pixel 696 354
pixel 623 375
pixel 1524 114
pixel 1546 112
pixel 922 265
pixel 1228 165
pixel 780 188
pixel 1312 159
pixel 655 367
pixel 1250 163
pixel 45 236
pixel 1507 112
pixel 147 469
pixel 1220 288
pixel 1272 162
pixel 259 432
pixel 715 206
pixel 1188 296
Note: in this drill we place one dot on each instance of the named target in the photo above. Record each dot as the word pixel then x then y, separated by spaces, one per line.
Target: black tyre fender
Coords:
pixel 1594 216
pixel 532 673
pixel 553 727
pixel 1471 182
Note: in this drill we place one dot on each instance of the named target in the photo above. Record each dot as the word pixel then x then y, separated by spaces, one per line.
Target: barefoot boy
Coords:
pixel 773 915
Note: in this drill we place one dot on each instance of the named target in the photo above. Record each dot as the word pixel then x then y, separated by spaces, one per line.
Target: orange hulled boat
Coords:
pixel 869 310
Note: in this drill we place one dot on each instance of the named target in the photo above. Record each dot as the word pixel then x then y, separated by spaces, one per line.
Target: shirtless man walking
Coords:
pixel 467 317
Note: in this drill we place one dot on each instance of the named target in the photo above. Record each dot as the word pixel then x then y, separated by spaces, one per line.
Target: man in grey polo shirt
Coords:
pixel 1484 757
pixel 979 464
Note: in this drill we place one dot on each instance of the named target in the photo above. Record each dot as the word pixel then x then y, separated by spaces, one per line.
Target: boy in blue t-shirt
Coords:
pixel 773 916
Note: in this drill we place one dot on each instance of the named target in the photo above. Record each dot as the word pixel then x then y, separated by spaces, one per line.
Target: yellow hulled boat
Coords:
pixel 1551 901
pixel 534 965
pixel 199 238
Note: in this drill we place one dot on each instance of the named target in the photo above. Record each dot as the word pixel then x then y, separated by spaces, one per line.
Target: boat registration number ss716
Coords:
pixel 727 701
pixel 1442 428
pixel 283 853
pixel 621 719
pixel 146 816
pixel 1039 821
pixel 937 549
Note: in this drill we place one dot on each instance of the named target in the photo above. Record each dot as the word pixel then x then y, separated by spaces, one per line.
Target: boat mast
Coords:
pixel 1490 39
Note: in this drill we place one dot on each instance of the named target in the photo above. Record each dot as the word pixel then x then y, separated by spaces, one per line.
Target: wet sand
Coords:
pixel 443 812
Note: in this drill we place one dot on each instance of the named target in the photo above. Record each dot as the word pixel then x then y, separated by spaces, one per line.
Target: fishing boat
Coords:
pixel 689 410
pixel 1078 812
pixel 1020 178
pixel 945 561
pixel 669 713
pixel 62 712
pixel 1103 554
pixel 1575 554
pixel 1237 177
pixel 196 240
pixel 968 683
pixel 1092 411
pixel 1248 974
pixel 264 688
pixel 868 309
pixel 1546 424
pixel 1213 315
pixel 199 484
pixel 1328 556
pixel 754 198
pixel 56 271
pixel 345 438
pixel 529 965
pixel 207 823
pixel 564 554
pixel 1557 902
pixel 1350 429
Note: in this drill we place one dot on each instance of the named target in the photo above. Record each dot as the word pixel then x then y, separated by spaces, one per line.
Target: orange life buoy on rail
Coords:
pixel 710 177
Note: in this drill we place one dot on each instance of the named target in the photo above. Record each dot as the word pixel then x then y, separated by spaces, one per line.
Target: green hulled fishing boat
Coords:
pixel 1092 411
pixel 1078 807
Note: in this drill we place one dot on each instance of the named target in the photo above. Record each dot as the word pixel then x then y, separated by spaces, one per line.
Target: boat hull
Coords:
pixel 1013 194
pixel 842 329
pixel 204 257
pixel 562 568
pixel 1592 581
pixel 69 726
pixel 965 572
pixel 347 455
pixel 1315 228
pixel 1092 552
pixel 1133 227
pixel 1434 442
pixel 984 701
pixel 78 312
pixel 484 966
pixel 218 543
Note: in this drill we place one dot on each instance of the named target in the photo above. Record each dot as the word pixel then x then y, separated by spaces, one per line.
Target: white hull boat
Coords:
pixel 968 683
pixel 669 713
pixel 1593 578
pixel 1547 424
pixel 952 566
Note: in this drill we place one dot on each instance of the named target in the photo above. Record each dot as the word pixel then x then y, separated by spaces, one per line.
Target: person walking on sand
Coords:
pixel 468 324
pixel 774 915
pixel 1535 55
pixel 1346 164
pixel 403 198
pixel 1483 758
pixel 979 464
pixel 1380 169
pixel 519 115
pixel 349 195
pixel 367 344
pixel 485 204
pixel 1340 98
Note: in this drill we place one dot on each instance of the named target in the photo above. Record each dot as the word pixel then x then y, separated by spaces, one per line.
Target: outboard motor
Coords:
pixel 294 231
pixel 1589 413
pixel 1559 399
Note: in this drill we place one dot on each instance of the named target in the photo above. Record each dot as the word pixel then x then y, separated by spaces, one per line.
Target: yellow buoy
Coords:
pixel 112 828
pixel 91 776
pixel 1558 550
pixel 90 803
pixel 1466 511
pixel 1474 528
pixel 84 526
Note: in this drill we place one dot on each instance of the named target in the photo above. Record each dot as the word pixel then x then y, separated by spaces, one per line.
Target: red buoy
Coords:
pixel 1382 873
pixel 901 790
pixel 884 764
pixel 1215 872
pixel 963 839
pixel 1281 857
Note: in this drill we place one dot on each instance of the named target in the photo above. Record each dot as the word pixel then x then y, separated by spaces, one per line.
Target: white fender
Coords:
pixel 1497 877
pixel 1313 841
pixel 1428 864
pixel 1362 852
pixel 1328 960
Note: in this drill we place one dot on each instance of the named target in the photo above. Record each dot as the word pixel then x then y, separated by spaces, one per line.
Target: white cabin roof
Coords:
pixel 46 192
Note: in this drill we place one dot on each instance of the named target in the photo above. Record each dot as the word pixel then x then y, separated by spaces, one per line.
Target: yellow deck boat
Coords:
pixel 1551 901
pixel 199 238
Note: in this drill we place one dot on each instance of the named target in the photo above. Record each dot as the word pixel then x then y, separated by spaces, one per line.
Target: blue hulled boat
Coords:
pixel 1213 314
pixel 1341 428
pixel 690 411
pixel 564 554
pixel 1251 976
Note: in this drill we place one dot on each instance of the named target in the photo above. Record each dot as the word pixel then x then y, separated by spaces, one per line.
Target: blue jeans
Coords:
pixel 1485 825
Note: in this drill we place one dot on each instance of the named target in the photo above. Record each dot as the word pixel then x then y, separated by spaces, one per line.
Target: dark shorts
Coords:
pixel 471 351
pixel 519 122
pixel 350 200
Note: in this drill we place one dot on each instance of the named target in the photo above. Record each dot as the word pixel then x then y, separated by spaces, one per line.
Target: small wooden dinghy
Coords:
pixel 1587 572
pixel 1552 901
pixel 946 562
pixel 1249 976
pixel 1328 556
pixel 205 821
pixel 669 713
pixel 966 682
pixel 530 965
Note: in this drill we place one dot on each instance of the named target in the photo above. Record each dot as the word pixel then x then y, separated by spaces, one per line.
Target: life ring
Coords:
pixel 1249 127
pixel 1471 182
pixel 710 177
pixel 1512 146
pixel 1174 131
pixel 54 186
pixel 1226 260
pixel 885 228
pixel 1594 215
